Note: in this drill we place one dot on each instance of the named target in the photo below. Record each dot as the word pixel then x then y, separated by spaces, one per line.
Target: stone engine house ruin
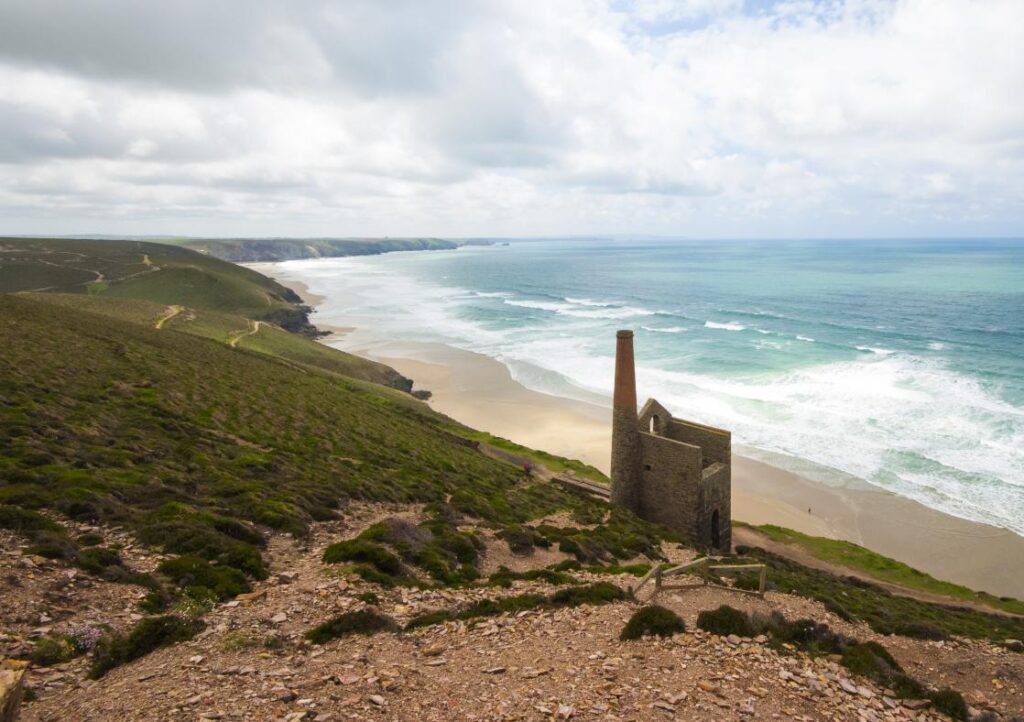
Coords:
pixel 667 470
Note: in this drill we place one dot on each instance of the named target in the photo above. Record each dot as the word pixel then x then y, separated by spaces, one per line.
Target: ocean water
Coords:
pixel 899 363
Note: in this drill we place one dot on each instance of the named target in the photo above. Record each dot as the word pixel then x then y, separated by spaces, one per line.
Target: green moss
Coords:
pixel 363 621
pixel 150 634
pixel 368 598
pixel 652 620
pixel 724 621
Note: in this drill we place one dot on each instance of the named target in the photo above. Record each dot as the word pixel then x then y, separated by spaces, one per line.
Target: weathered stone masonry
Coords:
pixel 667 470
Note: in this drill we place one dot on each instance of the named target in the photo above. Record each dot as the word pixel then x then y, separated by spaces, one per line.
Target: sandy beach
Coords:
pixel 480 392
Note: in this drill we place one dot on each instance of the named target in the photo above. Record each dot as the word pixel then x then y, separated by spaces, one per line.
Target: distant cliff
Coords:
pixel 250 250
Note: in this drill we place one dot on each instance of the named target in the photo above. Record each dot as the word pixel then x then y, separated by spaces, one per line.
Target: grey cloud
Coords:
pixel 205 45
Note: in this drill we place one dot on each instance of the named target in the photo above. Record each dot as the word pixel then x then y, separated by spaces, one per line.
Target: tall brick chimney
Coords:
pixel 625 434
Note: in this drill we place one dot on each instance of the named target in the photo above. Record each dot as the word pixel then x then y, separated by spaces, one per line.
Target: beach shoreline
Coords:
pixel 480 392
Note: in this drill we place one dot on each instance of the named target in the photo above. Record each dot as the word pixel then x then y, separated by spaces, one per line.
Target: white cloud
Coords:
pixel 695 117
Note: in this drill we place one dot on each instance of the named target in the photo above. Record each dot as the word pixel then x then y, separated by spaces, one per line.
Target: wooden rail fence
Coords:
pixel 658 573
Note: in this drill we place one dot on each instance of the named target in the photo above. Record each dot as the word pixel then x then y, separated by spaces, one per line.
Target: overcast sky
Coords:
pixel 704 118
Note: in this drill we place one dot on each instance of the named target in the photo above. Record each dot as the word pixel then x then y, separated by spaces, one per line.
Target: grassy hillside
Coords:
pixel 876 566
pixel 139 281
pixel 197 446
pixel 147 271
pixel 247 250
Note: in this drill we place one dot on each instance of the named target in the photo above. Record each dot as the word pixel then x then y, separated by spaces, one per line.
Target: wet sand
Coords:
pixel 480 392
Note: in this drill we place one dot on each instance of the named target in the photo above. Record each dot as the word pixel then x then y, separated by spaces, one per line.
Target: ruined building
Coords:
pixel 666 470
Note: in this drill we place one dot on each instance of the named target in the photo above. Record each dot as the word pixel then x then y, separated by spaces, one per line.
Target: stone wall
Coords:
pixel 716 487
pixel 715 443
pixel 670 483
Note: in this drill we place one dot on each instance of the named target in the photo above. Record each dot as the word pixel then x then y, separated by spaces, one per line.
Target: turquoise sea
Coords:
pixel 900 363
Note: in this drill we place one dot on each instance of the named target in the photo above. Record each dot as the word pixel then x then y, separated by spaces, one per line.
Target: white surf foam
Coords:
pixel 581 311
pixel 875 350
pixel 669 329
pixel 729 326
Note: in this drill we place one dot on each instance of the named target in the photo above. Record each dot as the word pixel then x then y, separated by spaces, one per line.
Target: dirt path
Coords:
pixel 254 327
pixel 252 662
pixel 753 538
pixel 170 313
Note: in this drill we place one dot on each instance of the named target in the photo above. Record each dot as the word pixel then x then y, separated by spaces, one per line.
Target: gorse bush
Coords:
pixel 363 621
pixel 151 633
pixel 652 620
pixel 725 621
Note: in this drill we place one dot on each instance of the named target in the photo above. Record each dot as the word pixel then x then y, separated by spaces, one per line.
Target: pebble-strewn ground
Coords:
pixel 253 664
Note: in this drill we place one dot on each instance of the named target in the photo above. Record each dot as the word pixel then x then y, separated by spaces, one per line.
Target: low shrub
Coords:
pixel 870 660
pixel 54 649
pixel 96 560
pixel 365 552
pixel 652 620
pixel 599 593
pixel 368 598
pixel 363 621
pixel 504 577
pixel 921 630
pixel 150 634
pixel 24 521
pixel 53 545
pixel 725 621
pixel 370 574
pixel 949 702
pixel 428 619
pixel 191 571
pixel 519 540
pixel 89 539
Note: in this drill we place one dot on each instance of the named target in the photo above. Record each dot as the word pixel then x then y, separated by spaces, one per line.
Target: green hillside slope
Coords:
pixel 191 443
pixel 193 293
pixel 148 271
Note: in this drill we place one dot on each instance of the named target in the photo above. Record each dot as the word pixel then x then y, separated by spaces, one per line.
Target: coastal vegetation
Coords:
pixel 885 569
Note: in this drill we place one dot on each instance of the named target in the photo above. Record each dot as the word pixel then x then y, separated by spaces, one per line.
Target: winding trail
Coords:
pixel 254 327
pixel 170 313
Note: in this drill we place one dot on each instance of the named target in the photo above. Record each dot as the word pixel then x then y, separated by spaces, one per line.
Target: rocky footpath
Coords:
pixel 253 663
